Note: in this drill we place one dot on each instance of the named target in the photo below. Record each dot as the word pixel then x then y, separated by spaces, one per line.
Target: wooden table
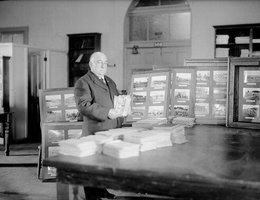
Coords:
pixel 216 163
pixel 6 120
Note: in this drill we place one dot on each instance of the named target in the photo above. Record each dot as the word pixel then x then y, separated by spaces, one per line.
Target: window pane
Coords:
pixel 12 37
pixel 18 38
pixel 144 3
pixel 159 27
pixel 172 2
pixel 138 28
pixel 6 37
pixel 180 26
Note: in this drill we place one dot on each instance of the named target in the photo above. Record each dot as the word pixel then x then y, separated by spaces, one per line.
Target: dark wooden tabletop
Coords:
pixel 216 163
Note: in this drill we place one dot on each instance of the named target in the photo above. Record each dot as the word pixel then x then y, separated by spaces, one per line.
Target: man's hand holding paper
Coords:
pixel 122 105
pixel 113 114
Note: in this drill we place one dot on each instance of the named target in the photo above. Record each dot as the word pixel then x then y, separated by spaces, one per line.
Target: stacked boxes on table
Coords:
pixel 124 142
pixel 121 149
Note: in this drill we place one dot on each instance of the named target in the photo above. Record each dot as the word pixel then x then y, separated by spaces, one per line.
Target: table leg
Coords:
pixel 7 150
pixel 62 191
pixel 6 137
pixel 7 131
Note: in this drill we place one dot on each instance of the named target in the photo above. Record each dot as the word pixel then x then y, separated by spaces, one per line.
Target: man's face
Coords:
pixel 99 65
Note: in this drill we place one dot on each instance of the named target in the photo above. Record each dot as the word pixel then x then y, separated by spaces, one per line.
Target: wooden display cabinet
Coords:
pixel 207 91
pixel 244 93
pixel 60 120
pixel 182 92
pixel 81 46
pixel 242 40
pixel 199 90
pixel 52 133
pixel 58 105
pixel 149 95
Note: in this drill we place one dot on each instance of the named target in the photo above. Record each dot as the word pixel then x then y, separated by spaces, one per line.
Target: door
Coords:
pixel 151 58
pixel 37 62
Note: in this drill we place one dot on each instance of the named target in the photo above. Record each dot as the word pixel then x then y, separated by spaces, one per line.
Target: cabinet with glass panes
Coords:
pixel 60 120
pixel 204 85
pixel 242 40
pixel 81 46
pixel 244 93
pixel 52 134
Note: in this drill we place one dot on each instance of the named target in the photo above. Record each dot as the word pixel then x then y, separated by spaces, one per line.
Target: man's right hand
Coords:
pixel 113 114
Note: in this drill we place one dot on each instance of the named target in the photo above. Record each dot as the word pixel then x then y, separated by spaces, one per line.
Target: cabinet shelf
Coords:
pixel 81 46
pixel 237 39
pixel 82 49
pixel 78 72
pixel 232 44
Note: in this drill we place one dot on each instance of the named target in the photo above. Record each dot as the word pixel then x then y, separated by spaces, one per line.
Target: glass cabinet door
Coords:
pixel 244 93
pixel 1 80
pixel 249 90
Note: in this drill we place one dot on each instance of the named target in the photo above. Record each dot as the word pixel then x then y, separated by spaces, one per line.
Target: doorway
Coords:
pixel 157 36
pixel 37 61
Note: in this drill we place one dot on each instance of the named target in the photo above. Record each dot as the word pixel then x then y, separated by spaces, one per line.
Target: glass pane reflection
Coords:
pixel 159 27
pixel 138 28
pixel 180 26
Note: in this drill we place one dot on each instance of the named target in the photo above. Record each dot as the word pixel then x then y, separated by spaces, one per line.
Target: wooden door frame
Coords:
pixel 12 30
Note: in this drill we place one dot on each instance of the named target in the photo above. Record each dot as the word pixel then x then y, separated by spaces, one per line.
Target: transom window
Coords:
pixel 159 20
pixel 146 3
pixel 17 35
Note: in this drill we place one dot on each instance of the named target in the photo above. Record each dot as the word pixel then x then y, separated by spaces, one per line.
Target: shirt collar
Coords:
pixel 100 77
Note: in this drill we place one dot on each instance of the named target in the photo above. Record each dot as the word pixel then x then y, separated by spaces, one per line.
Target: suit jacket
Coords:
pixel 94 99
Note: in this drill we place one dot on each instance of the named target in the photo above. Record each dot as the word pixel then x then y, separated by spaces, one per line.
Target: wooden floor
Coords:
pixel 18 174
pixel 19 180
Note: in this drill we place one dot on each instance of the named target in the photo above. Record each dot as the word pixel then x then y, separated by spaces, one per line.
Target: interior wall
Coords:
pixel 49 23
pixel 207 13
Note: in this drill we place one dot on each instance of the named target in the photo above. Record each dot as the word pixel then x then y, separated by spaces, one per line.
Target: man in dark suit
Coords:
pixel 94 96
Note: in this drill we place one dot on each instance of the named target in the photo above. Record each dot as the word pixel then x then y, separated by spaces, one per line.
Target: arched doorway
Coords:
pixel 157 35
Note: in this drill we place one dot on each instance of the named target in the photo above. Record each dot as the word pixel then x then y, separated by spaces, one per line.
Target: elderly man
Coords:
pixel 94 96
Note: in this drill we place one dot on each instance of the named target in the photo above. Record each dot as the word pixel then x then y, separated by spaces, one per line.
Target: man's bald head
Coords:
pixel 98 63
